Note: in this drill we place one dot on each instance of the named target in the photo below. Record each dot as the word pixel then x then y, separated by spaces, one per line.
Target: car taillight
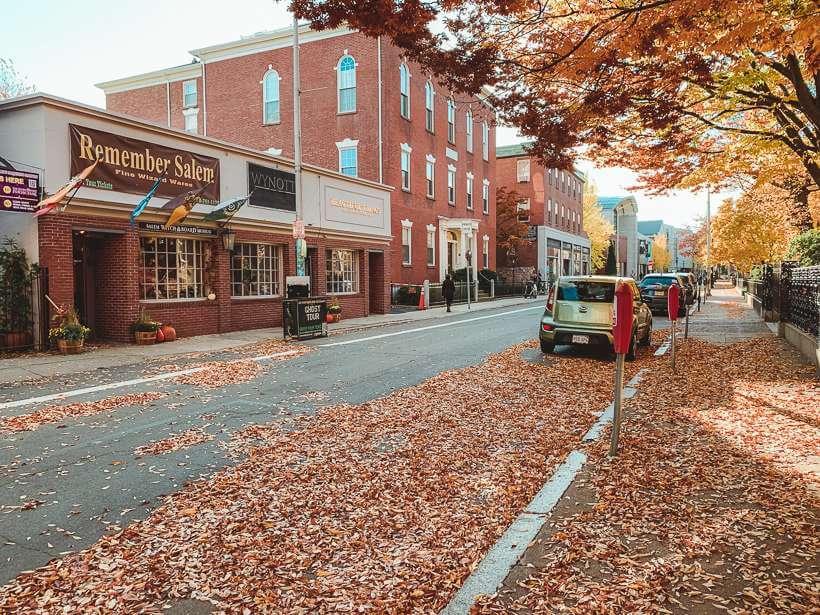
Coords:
pixel 546 327
pixel 550 297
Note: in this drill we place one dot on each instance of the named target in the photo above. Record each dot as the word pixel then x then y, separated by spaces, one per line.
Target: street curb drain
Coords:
pixel 491 571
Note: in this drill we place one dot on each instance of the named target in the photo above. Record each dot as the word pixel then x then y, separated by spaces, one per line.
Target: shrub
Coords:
pixel 806 248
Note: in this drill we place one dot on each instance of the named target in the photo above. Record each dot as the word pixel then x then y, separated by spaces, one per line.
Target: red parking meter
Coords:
pixel 673 301
pixel 622 318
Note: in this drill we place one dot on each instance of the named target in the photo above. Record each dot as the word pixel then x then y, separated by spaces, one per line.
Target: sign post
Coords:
pixel 622 319
pixel 469 257
pixel 686 329
pixel 672 306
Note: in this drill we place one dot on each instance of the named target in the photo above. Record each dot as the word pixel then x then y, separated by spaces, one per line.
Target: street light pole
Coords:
pixel 297 146
pixel 708 240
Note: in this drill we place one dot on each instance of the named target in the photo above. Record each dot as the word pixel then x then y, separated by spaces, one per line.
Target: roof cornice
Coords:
pixel 157 77
pixel 264 41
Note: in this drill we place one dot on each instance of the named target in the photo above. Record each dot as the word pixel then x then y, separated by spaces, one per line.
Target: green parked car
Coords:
pixel 579 312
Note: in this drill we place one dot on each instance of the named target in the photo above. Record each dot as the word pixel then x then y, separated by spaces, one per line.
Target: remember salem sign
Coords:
pixel 130 165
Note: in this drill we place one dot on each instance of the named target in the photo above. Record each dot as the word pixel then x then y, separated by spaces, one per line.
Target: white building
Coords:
pixel 622 213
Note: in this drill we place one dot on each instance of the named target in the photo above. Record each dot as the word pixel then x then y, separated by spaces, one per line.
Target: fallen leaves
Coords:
pixel 175 442
pixel 218 374
pixel 55 414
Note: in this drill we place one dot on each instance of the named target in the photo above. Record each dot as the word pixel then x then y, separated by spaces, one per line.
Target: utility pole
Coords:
pixel 708 240
pixel 297 150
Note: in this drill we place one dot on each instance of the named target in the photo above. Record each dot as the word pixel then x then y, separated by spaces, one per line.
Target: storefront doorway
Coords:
pixel 86 250
pixel 375 283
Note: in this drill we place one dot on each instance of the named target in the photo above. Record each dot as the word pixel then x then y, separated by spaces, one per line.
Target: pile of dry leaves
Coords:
pixel 174 442
pixel 711 506
pixel 56 414
pixel 383 507
pixel 217 374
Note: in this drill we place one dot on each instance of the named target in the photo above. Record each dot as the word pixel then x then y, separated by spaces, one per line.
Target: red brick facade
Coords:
pixel 231 109
pixel 116 301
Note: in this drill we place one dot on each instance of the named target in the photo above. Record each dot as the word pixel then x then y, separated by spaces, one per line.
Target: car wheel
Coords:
pixel 647 338
pixel 631 354
pixel 547 347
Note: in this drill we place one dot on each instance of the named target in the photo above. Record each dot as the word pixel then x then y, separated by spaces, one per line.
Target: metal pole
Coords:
pixel 686 330
pixel 619 394
pixel 297 143
pixel 708 240
pixel 674 331
pixel 469 287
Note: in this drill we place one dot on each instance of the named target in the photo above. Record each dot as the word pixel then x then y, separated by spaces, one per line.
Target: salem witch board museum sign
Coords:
pixel 132 166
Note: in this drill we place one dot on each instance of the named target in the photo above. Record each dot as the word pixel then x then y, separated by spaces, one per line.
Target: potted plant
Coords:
pixel 16 275
pixel 145 329
pixel 334 310
pixel 68 332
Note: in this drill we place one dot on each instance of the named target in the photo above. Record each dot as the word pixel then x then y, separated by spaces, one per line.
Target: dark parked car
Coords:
pixel 654 289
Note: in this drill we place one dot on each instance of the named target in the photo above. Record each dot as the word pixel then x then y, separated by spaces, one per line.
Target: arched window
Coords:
pixel 469 130
pixel 346 79
pixel 270 97
pixel 429 95
pixel 451 120
pixel 404 87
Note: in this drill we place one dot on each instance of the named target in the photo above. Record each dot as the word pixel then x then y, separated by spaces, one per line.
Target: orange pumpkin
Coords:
pixel 160 336
pixel 169 332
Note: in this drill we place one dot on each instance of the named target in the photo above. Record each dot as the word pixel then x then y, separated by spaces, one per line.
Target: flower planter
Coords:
pixel 70 346
pixel 334 317
pixel 144 338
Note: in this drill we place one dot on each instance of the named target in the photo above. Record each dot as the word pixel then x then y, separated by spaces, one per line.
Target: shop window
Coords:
pixel 431 246
pixel 270 95
pixel 346 79
pixel 469 191
pixel 430 174
pixel 485 197
pixel 523 169
pixel 469 130
pixel 485 140
pixel 255 270
pixel 189 94
pixel 406 244
pixel 429 95
pixel 451 121
pixel 405 166
pixel 451 184
pixel 404 87
pixel 171 268
pixel 342 277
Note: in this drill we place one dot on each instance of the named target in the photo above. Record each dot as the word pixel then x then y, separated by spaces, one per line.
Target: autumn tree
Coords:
pixel 11 83
pixel 511 233
pixel 652 84
pixel 660 253
pixel 598 229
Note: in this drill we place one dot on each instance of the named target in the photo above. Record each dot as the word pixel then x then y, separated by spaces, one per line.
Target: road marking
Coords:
pixel 127 383
pixel 427 328
pixel 491 571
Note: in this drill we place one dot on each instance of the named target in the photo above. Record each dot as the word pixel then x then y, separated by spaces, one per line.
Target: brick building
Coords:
pixel 188 275
pixel 365 111
pixel 552 204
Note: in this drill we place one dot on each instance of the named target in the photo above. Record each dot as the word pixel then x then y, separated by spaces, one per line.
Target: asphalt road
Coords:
pixel 85 472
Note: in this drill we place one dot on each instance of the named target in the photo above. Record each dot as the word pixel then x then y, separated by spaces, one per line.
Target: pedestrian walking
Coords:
pixel 448 289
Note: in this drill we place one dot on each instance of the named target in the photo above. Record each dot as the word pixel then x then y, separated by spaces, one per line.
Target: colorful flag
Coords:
pixel 226 209
pixel 144 202
pixel 182 205
pixel 182 198
pixel 50 204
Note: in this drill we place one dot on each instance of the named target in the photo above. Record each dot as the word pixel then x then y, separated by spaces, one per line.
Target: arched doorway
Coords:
pixel 452 251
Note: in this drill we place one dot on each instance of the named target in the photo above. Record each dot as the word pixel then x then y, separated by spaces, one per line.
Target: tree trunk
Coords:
pixel 799 189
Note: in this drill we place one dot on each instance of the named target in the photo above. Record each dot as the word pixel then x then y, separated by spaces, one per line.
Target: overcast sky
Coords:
pixel 64 48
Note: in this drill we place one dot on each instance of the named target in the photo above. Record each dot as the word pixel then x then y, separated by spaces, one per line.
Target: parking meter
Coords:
pixel 622 320
pixel 673 305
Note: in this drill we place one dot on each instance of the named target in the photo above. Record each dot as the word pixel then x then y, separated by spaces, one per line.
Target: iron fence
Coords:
pixel 24 316
pixel 801 297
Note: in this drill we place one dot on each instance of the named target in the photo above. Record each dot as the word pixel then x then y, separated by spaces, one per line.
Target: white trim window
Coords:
pixel 342 275
pixel 451 184
pixel 189 98
pixel 430 176
pixel 346 84
pixel 469 130
pixel 406 242
pixel 256 270
pixel 523 170
pixel 451 120
pixel 523 209
pixel 485 196
pixel 171 268
pixel 191 119
pixel 485 252
pixel 404 88
pixel 405 166
pixel 348 157
pixel 549 211
pixel 469 190
pixel 429 111
pixel 431 245
pixel 270 98
pixel 485 140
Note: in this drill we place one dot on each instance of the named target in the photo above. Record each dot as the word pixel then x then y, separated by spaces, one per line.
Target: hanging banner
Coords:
pixel 19 191
pixel 132 166
pixel 271 188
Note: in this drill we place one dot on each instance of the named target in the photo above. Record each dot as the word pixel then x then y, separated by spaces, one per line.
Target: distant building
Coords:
pixel 678 261
pixel 622 213
pixel 552 204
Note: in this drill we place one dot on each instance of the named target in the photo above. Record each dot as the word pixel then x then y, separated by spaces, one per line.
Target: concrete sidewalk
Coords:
pixel 725 318
pixel 45 365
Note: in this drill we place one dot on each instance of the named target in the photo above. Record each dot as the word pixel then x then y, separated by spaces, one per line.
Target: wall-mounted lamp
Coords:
pixel 228 240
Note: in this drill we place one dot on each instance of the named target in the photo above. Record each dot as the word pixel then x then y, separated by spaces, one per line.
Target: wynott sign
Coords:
pixel 132 166
pixel 271 188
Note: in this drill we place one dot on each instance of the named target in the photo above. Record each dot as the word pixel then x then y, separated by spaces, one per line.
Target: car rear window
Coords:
pixel 592 292
pixel 657 280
